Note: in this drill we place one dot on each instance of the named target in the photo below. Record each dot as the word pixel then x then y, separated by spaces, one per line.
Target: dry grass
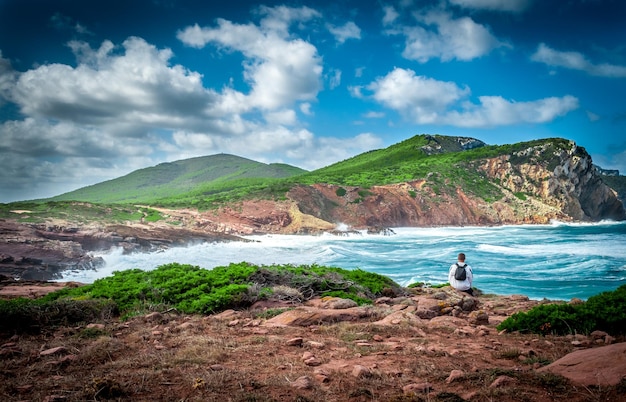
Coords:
pixel 193 358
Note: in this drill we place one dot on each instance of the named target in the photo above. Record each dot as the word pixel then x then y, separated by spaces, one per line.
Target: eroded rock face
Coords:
pixel 538 184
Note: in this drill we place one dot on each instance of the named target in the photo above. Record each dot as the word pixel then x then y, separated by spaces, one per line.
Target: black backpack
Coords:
pixel 460 274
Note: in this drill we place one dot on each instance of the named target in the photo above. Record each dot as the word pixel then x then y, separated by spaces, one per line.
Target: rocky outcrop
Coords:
pixel 43 251
pixel 537 184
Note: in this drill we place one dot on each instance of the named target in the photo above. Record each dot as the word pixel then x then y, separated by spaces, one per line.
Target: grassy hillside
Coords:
pixel 174 178
pixel 444 162
pixel 440 160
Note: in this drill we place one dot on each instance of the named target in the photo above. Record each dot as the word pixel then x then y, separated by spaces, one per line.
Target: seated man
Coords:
pixel 461 276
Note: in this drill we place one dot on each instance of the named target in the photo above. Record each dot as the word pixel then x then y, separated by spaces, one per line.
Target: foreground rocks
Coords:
pixel 321 350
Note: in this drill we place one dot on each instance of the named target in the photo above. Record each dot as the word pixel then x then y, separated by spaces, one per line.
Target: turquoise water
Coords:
pixel 557 261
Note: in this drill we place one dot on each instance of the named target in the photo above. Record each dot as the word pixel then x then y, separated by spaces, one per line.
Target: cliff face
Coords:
pixel 537 184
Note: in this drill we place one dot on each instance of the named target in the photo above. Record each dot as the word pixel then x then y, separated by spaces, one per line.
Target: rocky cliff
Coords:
pixel 535 185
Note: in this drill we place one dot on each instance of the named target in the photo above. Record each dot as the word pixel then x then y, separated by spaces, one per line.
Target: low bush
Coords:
pixel 32 315
pixel 605 311
pixel 191 289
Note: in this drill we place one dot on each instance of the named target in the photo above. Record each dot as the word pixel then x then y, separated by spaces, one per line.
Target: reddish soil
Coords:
pixel 388 354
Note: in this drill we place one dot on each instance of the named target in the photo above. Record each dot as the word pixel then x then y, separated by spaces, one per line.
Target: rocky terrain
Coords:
pixel 432 345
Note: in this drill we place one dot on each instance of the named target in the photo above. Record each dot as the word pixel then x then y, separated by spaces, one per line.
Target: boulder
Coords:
pixel 600 366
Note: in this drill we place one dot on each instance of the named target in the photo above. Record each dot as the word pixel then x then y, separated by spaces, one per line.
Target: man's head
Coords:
pixel 461 257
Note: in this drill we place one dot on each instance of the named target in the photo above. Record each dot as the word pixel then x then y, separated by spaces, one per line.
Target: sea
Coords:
pixel 556 261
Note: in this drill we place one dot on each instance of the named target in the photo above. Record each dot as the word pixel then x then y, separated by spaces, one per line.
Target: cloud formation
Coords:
pixel 278 69
pixel 347 31
pixel 576 61
pixel 425 100
pixel 438 35
pixel 513 6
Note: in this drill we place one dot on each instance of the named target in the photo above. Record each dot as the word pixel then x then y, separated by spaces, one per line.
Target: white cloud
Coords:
pixel 439 35
pixel 576 61
pixel 513 6
pixel 374 115
pixel 347 31
pixel 391 15
pixel 305 107
pixel 285 117
pixel 280 18
pixel 497 111
pixel 279 70
pixel 421 98
pixel 428 101
pixel 334 78
pixel 137 87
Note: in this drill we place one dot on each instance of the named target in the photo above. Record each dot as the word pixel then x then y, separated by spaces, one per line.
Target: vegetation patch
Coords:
pixel 191 289
pixel 605 311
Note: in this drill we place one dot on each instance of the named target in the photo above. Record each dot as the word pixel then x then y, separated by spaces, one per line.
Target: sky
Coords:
pixel 93 90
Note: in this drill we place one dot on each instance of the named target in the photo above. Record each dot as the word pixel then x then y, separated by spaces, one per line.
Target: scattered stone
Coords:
pixel 478 317
pixel 455 375
pixel 361 371
pixel 154 317
pixel 96 326
pixel 316 345
pixel 233 323
pixel 294 342
pixel 216 367
pixel 313 361
pixel 304 382
pixel 337 303
pixel 184 326
pixel 502 381
pixel 53 351
pixel 412 389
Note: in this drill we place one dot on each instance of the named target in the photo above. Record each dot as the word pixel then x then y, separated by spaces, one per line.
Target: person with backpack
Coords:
pixel 461 276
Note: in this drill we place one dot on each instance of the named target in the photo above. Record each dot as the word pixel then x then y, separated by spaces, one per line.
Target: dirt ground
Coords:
pixel 252 355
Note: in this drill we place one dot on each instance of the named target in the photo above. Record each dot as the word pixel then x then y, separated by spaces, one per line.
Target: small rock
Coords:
pixel 153 317
pixel 233 323
pixel 307 355
pixel 294 342
pixel 52 351
pixel 216 367
pixel 184 326
pixel 316 345
pixel 96 326
pixel 502 381
pixel 414 388
pixel 313 361
pixel 455 375
pixel 304 382
pixel 360 371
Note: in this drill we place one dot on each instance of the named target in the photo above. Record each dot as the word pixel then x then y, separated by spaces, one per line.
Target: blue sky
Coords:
pixel 91 91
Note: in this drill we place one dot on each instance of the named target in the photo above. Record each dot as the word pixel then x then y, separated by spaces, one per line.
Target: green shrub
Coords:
pixel 605 311
pixel 192 289
pixel 340 192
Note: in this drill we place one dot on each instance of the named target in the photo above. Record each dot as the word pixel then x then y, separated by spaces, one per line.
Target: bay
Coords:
pixel 557 261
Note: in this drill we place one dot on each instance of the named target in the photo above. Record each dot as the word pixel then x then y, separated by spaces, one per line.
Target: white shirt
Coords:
pixel 461 285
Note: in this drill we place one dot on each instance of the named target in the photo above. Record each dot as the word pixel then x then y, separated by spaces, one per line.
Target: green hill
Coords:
pixel 174 178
